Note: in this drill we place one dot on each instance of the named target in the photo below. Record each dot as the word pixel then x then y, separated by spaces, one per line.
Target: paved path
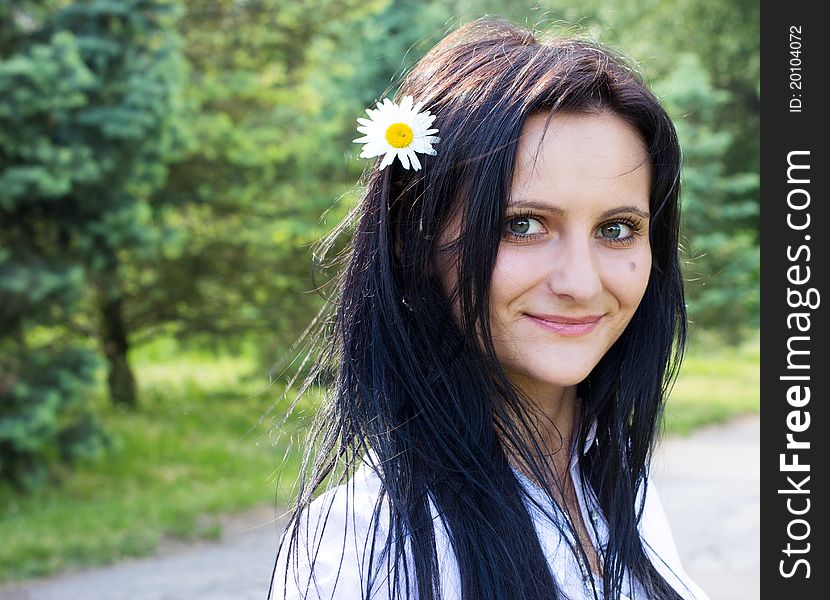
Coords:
pixel 710 487
pixel 709 484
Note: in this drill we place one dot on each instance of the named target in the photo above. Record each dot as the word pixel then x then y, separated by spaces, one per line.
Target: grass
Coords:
pixel 195 449
pixel 192 451
pixel 716 383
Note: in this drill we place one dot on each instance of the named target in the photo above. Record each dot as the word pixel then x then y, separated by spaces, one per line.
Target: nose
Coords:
pixel 574 272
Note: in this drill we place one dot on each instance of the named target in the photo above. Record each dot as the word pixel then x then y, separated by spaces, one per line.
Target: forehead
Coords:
pixel 581 157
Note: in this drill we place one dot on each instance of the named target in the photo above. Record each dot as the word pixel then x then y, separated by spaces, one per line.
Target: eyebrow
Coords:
pixel 544 206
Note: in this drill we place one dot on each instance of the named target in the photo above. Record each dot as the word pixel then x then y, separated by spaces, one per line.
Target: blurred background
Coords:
pixel 165 169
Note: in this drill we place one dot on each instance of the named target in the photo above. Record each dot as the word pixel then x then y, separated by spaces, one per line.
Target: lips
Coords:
pixel 565 325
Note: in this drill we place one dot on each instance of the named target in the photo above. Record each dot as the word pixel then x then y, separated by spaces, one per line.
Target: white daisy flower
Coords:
pixel 397 130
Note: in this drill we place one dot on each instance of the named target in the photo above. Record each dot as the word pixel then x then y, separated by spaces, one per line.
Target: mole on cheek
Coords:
pixel 632 266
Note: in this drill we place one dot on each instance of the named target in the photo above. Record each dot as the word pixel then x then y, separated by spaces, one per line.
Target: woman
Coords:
pixel 510 318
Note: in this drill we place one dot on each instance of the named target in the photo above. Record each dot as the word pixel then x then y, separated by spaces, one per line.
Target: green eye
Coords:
pixel 522 226
pixel 615 231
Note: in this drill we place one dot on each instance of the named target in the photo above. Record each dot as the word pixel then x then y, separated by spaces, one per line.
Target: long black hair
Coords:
pixel 416 388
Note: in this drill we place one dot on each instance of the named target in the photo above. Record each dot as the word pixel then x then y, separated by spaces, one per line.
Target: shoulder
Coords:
pixel 654 525
pixel 335 549
pixel 660 546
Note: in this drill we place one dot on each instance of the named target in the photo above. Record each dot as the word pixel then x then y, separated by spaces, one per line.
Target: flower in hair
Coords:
pixel 397 130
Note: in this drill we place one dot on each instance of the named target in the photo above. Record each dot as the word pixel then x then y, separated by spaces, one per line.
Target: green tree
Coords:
pixel 246 200
pixel 722 257
pixel 44 416
pixel 88 119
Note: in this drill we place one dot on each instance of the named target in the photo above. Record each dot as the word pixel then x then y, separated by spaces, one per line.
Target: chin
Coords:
pixel 543 380
pixel 565 382
pixel 551 370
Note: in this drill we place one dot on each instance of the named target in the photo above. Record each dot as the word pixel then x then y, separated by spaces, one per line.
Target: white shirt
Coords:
pixel 344 545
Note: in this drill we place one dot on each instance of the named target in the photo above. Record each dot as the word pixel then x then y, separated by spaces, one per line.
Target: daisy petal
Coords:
pixel 424 121
pixel 387 160
pixel 416 164
pixel 374 149
pixel 403 156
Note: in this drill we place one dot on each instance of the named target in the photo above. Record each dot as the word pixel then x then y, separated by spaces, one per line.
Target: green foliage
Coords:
pixel 242 207
pixel 721 248
pixel 191 451
pixel 88 111
pixel 44 418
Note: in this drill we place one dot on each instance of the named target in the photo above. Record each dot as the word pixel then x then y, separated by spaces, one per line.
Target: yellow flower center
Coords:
pixel 399 135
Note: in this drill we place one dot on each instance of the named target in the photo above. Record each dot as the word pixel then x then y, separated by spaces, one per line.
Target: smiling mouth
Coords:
pixel 567 326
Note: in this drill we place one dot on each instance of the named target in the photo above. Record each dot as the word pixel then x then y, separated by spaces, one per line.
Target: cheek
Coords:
pixel 513 274
pixel 628 281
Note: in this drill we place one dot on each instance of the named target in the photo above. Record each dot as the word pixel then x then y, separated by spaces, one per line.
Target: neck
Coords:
pixel 555 412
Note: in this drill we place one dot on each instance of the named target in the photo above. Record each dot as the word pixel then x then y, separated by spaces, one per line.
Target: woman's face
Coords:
pixel 575 258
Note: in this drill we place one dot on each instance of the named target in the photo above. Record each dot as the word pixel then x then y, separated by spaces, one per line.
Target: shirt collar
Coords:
pixel 591 437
